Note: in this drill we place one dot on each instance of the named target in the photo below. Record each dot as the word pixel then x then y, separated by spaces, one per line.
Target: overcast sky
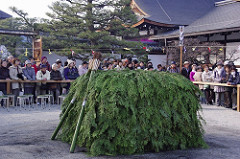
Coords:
pixel 34 8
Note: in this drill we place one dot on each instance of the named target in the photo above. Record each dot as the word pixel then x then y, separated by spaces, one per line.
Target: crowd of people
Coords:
pixel 12 68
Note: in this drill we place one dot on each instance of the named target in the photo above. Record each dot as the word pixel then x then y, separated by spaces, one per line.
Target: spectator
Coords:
pixel 192 73
pixel 135 64
pixel 141 65
pixel 10 61
pixel 45 62
pixel 198 78
pixel 207 77
pixel 83 68
pixel 160 68
pixel 228 90
pixel 55 87
pixel 70 73
pixel 150 68
pixel 217 78
pixel 34 64
pixel 29 73
pixel 186 70
pixel 115 63
pixel 173 68
pixel 233 80
pixel 60 67
pixel 130 66
pixel 43 74
pixel 4 75
pixel 16 73
pixel 120 66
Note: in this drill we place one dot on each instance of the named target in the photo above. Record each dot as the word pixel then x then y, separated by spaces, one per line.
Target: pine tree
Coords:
pixel 90 24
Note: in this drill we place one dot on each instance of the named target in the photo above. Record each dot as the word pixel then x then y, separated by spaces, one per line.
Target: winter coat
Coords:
pixel 61 70
pixel 14 71
pixel 172 70
pixel 82 70
pixel 191 76
pixel 29 73
pixel 207 77
pixel 4 74
pixel 71 74
pixel 198 77
pixel 218 76
pixel 55 75
pixel 186 72
pixel 234 79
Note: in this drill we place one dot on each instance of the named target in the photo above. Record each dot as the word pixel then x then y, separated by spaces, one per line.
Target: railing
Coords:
pixel 28 81
pixel 69 81
pixel 225 85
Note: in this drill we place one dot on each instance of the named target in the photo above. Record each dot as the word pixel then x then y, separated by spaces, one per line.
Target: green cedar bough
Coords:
pixel 129 112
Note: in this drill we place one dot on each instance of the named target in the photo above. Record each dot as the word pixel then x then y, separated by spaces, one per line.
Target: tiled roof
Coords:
pixel 219 18
pixel 4 15
pixel 178 12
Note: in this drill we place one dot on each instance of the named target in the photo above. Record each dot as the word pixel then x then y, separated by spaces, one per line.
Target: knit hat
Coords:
pixel 28 62
pixel 54 65
pixel 44 57
pixel 173 62
pixel 43 66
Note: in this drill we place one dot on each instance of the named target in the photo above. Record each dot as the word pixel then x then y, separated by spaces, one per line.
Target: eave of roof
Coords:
pixel 219 20
pixel 4 15
pixel 145 20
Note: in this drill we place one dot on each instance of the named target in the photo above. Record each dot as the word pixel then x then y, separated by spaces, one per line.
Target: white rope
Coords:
pixel 164 10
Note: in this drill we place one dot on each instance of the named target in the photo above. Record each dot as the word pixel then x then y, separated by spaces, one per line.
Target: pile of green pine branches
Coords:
pixel 131 112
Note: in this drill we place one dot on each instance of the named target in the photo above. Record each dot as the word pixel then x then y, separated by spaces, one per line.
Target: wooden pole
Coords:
pixel 238 98
pixel 181 57
pixel 8 87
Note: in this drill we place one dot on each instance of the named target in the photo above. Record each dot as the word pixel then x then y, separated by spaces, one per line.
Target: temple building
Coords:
pixel 206 20
pixel 4 15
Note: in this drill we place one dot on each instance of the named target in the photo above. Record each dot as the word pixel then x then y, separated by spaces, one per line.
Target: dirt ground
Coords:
pixel 26 135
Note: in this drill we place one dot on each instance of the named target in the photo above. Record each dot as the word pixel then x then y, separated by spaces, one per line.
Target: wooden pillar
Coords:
pixel 181 57
pixel 37 49
pixel 8 87
pixel 238 98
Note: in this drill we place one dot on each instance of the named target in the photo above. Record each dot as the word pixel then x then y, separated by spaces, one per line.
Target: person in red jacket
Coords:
pixel 33 64
pixel 45 62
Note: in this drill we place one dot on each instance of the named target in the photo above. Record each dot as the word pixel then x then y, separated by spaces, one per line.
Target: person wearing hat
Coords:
pixel 173 68
pixel 44 62
pixel 192 73
pixel 234 79
pixel 83 68
pixel 43 74
pixel 186 70
pixel 70 73
pixel 29 73
pixel 218 76
pixel 55 88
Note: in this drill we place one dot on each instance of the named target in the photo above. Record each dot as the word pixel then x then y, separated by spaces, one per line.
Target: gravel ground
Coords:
pixel 26 135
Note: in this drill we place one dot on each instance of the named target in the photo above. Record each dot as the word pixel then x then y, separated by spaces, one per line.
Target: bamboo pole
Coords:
pixel 63 117
pixel 93 65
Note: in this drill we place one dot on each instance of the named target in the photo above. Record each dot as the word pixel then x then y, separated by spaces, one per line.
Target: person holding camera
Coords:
pixel 16 73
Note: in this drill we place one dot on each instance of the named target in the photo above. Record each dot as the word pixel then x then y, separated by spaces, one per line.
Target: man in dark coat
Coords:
pixel 4 75
pixel 186 70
